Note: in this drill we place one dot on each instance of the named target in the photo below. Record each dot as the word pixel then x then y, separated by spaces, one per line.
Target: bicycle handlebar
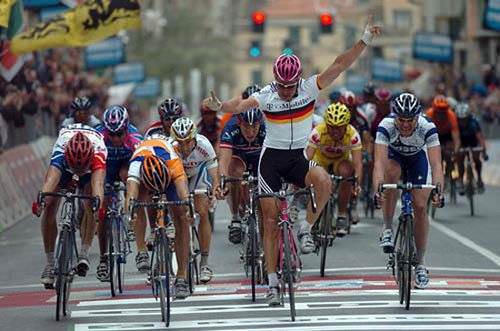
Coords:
pixel 336 178
pixel 69 195
pixel 163 203
pixel 406 186
pixel 283 195
pixel 472 149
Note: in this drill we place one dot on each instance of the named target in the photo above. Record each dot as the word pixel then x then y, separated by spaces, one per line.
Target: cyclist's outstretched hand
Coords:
pixel 212 102
pixel 371 31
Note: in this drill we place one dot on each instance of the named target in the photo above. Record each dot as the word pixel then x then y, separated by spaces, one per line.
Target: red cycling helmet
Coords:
pixel 79 153
pixel 287 69
pixel 383 94
pixel 440 102
pixel 348 98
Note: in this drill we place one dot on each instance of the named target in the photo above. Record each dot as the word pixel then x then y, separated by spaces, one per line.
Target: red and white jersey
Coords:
pixel 97 139
pixel 203 156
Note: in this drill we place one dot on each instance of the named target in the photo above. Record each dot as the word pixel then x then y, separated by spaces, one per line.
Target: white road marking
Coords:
pixel 467 242
pixel 306 323
pixel 238 308
pixel 330 294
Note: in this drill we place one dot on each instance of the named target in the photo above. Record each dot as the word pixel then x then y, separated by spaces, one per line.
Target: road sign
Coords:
pixel 129 73
pixel 433 47
pixel 106 53
pixel 491 19
pixel 387 71
pixel 150 88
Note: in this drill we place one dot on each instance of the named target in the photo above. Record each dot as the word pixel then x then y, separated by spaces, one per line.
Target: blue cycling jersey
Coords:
pixel 232 138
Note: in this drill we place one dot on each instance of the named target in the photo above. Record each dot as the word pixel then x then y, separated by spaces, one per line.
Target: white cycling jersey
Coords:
pixel 288 123
pixel 203 156
pixel 424 136
pixel 93 122
pixel 369 110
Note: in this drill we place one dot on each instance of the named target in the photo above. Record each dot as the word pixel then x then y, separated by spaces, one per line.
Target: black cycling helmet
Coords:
pixel 406 105
pixel 80 103
pixel 250 90
pixel 334 95
pixel 369 89
pixel 251 116
pixel 170 108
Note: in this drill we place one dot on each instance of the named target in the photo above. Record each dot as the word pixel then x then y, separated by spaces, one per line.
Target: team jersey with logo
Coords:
pixel 326 149
pixel 66 133
pixel 288 123
pixel 424 136
pixel 232 138
pixel 124 152
pixel 203 155
pixel 156 145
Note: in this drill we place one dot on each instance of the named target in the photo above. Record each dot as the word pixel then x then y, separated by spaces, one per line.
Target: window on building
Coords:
pixel 257 77
pixel 402 19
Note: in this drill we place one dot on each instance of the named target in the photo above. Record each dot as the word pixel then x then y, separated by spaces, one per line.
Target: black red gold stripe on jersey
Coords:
pixel 297 115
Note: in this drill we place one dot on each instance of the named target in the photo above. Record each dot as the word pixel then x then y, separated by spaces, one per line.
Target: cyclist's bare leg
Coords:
pixel 344 169
pixel 88 226
pixel 181 223
pixel 140 222
pixel 478 165
pixel 101 230
pixel 461 168
pixel 48 224
pixel 236 169
pixel 204 230
pixel 271 233
pixel 392 175
pixel 322 189
pixel 421 225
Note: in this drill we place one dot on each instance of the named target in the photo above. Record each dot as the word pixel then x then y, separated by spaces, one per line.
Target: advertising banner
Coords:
pixel 433 47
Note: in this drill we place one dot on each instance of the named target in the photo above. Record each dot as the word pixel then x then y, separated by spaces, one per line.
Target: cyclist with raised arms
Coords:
pixel 407 142
pixel 200 164
pixel 169 110
pixel 288 106
pixel 79 152
pixel 155 168
pixel 471 135
pixel 240 146
pixel 121 138
pixel 336 146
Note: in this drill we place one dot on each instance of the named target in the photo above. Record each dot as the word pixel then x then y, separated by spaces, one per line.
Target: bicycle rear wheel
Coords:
pixel 399 275
pixel 408 258
pixel 112 252
pixel 64 248
pixel 162 279
pixel 287 266
pixel 252 241
pixel 470 189
pixel 325 232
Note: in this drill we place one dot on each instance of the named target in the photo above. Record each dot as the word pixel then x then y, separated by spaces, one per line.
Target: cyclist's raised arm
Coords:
pixel 346 59
pixel 434 155
pixel 236 105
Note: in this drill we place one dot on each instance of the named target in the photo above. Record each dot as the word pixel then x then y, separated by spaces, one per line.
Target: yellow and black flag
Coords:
pixel 87 23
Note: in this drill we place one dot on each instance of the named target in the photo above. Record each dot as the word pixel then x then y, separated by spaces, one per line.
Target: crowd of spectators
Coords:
pixel 37 99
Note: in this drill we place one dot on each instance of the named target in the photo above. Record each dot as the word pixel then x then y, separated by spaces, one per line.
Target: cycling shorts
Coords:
pixel 469 141
pixel 67 176
pixel 444 139
pixel 289 164
pixel 416 166
pixel 201 180
pixel 113 170
pixel 251 162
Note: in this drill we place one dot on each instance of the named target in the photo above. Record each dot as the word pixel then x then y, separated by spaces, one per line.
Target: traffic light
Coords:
pixel 326 22
pixel 255 49
pixel 258 21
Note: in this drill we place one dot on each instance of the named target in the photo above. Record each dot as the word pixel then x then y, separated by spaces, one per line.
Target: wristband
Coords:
pixel 367 37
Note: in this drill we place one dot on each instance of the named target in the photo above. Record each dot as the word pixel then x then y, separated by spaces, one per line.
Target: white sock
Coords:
pixel 84 252
pixel 273 279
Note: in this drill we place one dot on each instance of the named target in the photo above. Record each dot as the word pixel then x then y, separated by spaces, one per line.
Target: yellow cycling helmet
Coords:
pixel 337 114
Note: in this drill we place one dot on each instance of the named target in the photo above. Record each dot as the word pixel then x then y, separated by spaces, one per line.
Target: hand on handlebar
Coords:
pixel 36 208
pixel 485 156
pixel 219 193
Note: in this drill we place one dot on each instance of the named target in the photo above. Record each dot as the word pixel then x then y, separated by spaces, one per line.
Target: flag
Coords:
pixel 5 7
pixel 10 64
pixel 85 24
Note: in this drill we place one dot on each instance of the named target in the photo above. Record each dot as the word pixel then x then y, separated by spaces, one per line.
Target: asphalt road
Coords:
pixel 356 294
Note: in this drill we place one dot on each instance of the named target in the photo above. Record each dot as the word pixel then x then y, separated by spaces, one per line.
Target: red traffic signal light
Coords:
pixel 258 20
pixel 326 22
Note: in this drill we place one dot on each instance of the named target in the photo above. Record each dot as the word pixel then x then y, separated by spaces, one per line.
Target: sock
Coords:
pixel 388 224
pixel 273 279
pixel 85 250
pixel 204 259
pixel 420 256
pixel 50 258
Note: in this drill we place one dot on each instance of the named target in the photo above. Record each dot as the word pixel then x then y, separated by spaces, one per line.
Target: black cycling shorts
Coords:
pixel 274 164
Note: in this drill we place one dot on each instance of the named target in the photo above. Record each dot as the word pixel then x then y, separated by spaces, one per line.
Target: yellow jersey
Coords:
pixel 328 151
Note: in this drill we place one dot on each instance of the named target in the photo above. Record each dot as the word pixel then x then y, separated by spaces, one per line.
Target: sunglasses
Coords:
pixel 169 118
pixel 286 86
pixel 117 133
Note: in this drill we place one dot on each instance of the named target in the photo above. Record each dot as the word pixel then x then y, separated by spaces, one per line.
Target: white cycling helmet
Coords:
pixel 462 110
pixel 452 102
pixel 183 129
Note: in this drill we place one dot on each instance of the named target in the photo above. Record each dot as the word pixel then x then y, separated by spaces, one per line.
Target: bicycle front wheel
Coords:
pixel 408 258
pixel 325 230
pixel 287 268
pixel 252 241
pixel 112 251
pixel 163 275
pixel 63 261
